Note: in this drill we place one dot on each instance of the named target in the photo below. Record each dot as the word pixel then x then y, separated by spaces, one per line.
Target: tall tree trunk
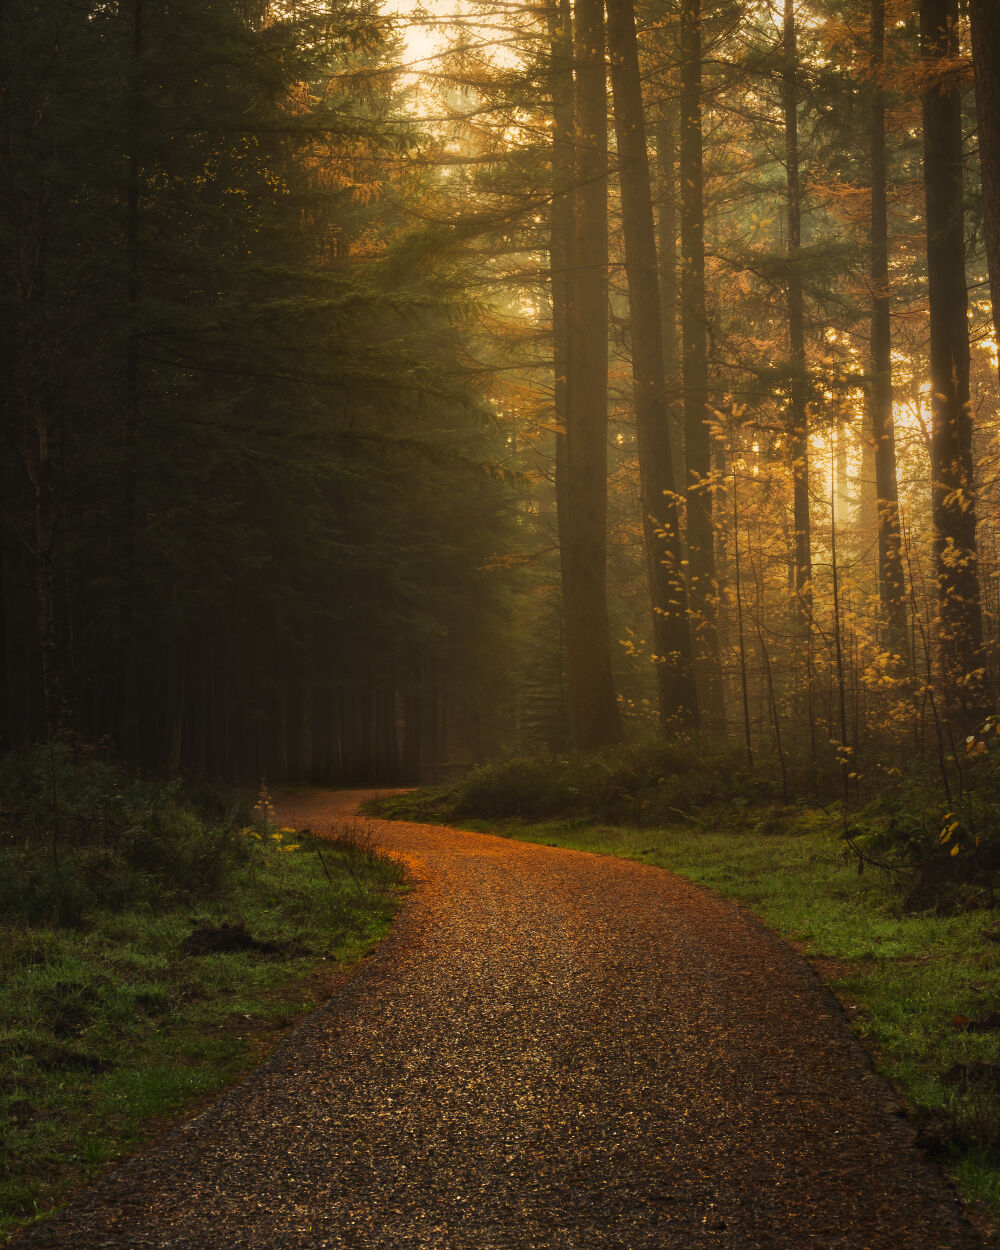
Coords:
pixel 594 716
pixel 560 28
pixel 666 247
pixel 985 16
pixel 697 438
pixel 38 461
pixel 953 493
pixel 892 588
pixel 678 698
pixel 798 422
pixel 128 655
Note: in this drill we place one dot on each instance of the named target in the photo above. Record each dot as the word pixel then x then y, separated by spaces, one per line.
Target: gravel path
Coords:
pixel 551 1049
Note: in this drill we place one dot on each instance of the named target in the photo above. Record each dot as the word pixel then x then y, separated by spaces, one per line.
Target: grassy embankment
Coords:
pixel 917 969
pixel 153 946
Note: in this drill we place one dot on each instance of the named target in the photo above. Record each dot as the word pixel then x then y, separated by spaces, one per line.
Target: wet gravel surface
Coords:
pixel 550 1050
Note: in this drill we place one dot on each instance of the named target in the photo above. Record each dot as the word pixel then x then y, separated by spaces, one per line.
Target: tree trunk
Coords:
pixel 892 589
pixel 36 435
pixel 666 247
pixel 128 656
pixel 560 27
pixel 798 424
pixel 175 711
pixel 668 596
pixel 39 465
pixel 594 716
pixel 985 15
pixel 697 439
pixel 953 494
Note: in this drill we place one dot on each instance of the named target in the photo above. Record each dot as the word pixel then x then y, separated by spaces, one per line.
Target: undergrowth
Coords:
pixel 938 847
pixel 153 944
pixel 645 784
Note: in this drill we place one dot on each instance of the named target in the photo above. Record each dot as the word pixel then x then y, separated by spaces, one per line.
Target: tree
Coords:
pixel 594 716
pixel 678 699
pixel 952 486
pixel 798 418
pixel 890 560
pixel 986 61
pixel 699 481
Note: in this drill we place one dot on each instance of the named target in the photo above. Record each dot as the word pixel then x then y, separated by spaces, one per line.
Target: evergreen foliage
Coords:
pixel 248 530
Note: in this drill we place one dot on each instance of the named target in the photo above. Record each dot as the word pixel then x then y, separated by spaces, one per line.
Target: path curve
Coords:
pixel 551 1049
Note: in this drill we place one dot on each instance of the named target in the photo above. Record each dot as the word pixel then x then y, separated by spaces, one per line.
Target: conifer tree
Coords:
pixel 694 331
pixel 594 712
pixel 678 700
pixel 952 486
pixel 890 559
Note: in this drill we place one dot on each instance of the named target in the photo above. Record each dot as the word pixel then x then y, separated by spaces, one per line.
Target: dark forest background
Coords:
pixel 248 478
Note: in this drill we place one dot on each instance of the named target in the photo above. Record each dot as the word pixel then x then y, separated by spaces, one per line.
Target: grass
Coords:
pixel 906 981
pixel 110 1027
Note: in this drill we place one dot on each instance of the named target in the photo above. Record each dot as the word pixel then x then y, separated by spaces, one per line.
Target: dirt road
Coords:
pixel 550 1050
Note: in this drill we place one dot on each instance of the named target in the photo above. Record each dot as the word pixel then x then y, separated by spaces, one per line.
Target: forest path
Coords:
pixel 551 1049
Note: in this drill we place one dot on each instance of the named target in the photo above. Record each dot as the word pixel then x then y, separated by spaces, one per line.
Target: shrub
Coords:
pixel 646 783
pixel 77 832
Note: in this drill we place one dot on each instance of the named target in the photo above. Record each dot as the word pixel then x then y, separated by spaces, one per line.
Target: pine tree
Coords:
pixel 678 700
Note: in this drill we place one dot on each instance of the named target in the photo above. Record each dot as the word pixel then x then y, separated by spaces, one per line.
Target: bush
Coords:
pixel 77 833
pixel 944 851
pixel 647 783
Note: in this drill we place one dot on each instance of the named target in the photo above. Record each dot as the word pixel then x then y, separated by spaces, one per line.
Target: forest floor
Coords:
pixel 551 1049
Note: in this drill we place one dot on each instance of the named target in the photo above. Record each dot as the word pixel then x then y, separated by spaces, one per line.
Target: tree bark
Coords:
pixel 985 15
pixel 560 29
pixel 953 498
pixel 38 462
pixel 892 588
pixel 678 700
pixel 697 438
pixel 594 715
pixel 129 662
pixel 666 248
pixel 798 421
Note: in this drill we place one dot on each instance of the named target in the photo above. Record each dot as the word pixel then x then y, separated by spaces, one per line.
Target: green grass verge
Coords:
pixel 110 1028
pixel 906 981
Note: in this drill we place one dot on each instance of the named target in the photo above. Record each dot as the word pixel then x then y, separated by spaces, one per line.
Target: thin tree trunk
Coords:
pixel 594 715
pixel 559 17
pixel 960 630
pixel 892 587
pixel 38 461
pixel 697 439
pixel 129 660
pixel 798 431
pixel 838 648
pixel 985 15
pixel 671 629
pixel 666 247
pixel 772 701
pixel 739 621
